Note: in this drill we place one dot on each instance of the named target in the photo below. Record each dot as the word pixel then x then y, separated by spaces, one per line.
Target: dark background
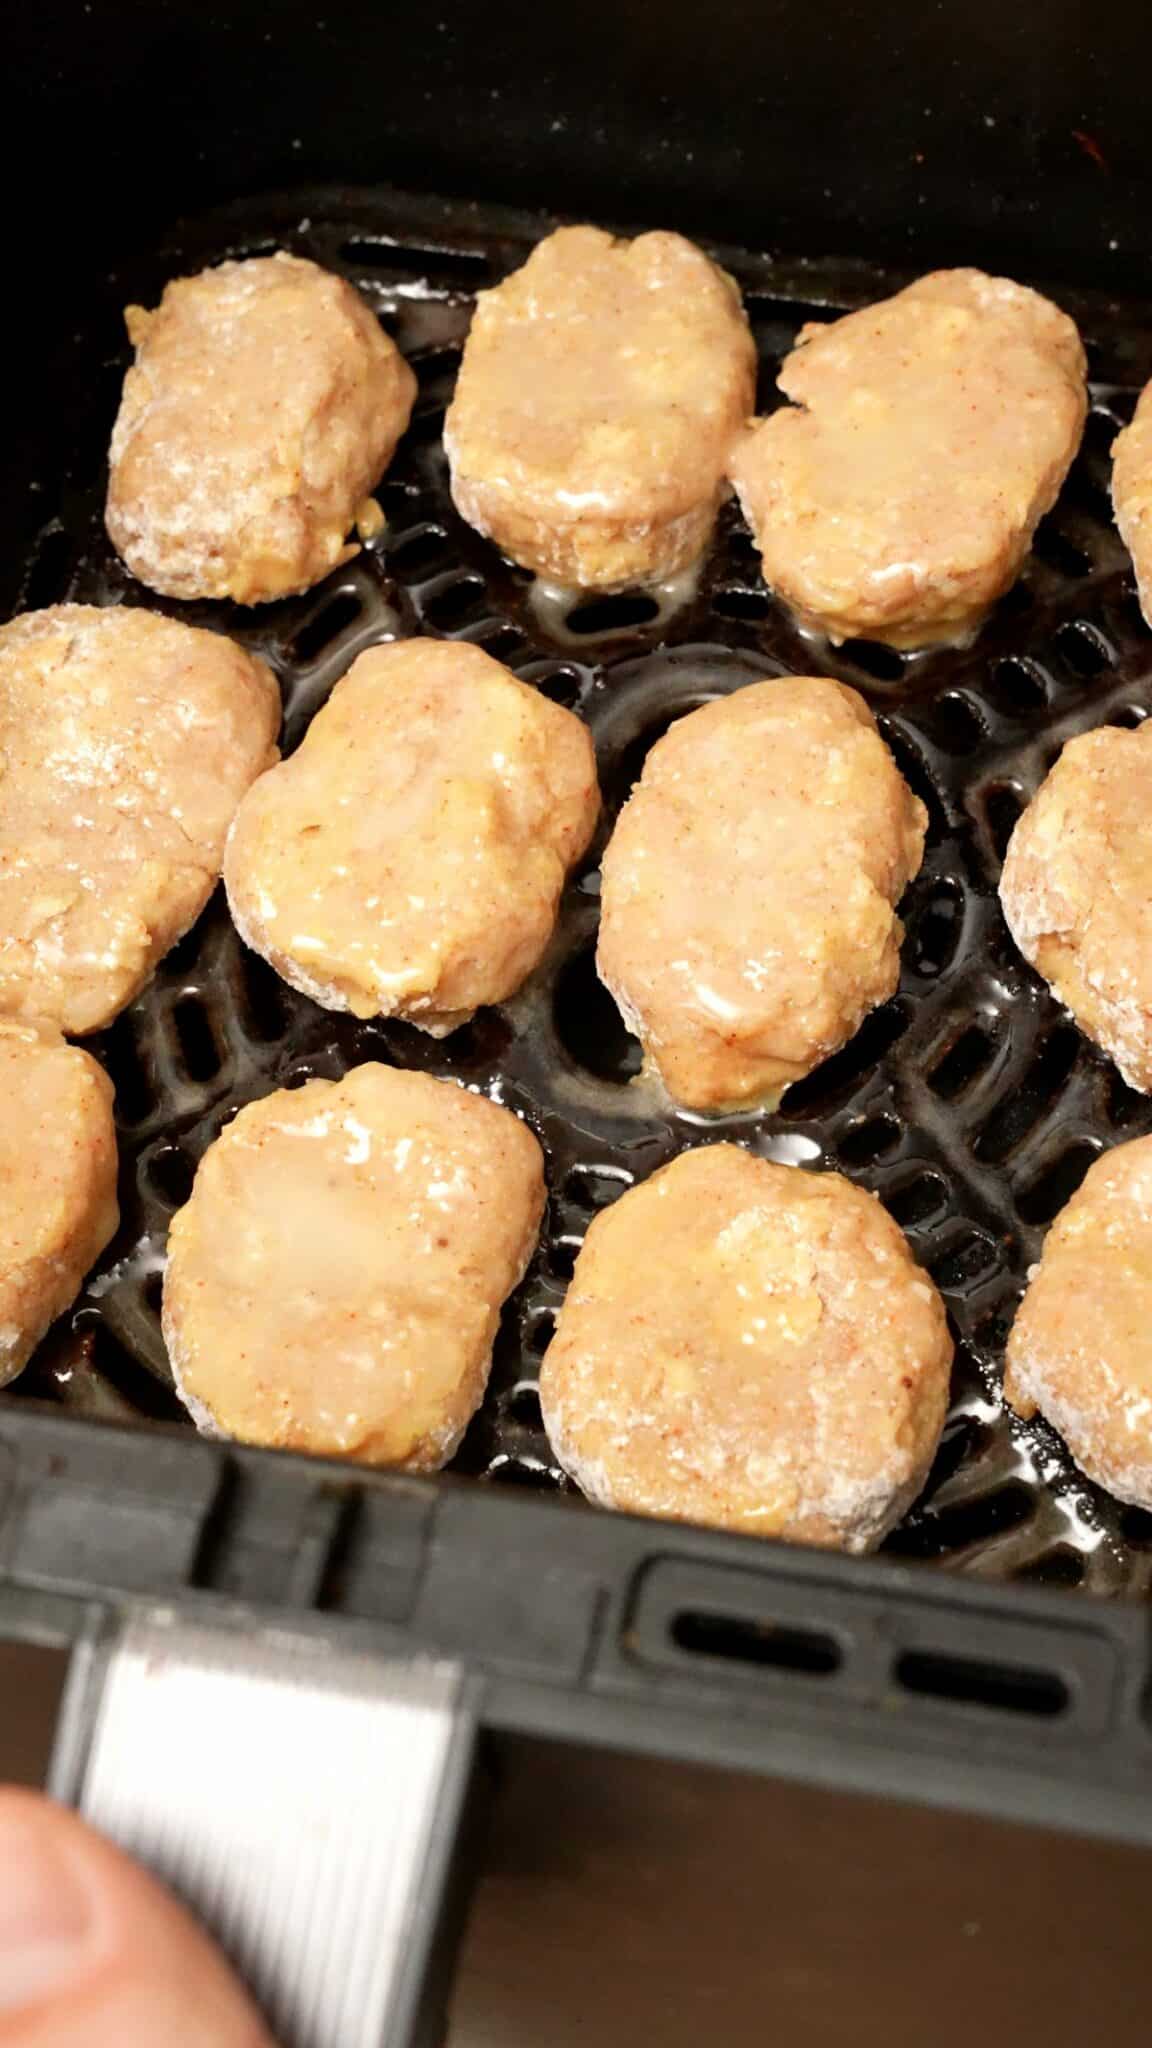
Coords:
pixel 1007 132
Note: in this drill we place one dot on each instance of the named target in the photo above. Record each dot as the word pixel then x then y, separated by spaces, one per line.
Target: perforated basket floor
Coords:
pixel 970 1103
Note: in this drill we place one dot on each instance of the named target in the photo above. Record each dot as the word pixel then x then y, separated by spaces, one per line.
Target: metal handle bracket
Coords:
pixel 302 1796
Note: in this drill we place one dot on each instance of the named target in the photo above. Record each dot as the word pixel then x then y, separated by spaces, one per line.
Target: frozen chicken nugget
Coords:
pixel 1080 1351
pixel 57 1181
pixel 897 496
pixel 335 1280
pixel 1132 494
pixel 601 387
pixel 407 861
pixel 1076 890
pixel 748 890
pixel 126 743
pixel 264 405
pixel 750 1346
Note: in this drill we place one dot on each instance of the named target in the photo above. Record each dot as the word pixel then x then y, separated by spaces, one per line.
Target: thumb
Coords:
pixel 94 1954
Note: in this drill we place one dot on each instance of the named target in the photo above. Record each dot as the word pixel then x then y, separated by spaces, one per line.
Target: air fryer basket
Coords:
pixel 969 1103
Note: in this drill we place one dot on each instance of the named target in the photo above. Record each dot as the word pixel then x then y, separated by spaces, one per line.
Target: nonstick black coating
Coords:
pixel 969 1102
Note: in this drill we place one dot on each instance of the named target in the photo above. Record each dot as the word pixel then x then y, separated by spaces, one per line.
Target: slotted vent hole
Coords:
pixel 1083 649
pixel 1058 552
pixel 913 767
pixel 590 1188
pixel 517 1472
pixel 319 632
pixel 777 1646
pixel 1012 1119
pixel 884 663
pixel 918 1202
pixel 1042 1200
pixel 965 1525
pixel 265 1005
pixel 197 1045
pixel 151 1396
pixel 964 1063
pixel 954 723
pixel 588 1024
pixel 1136 1524
pixel 171 1174
pixel 978 1682
pixel 969 1260
pixel 419 553
pixel 522 1407
pixel 787 315
pixel 538 1336
pixel 448 609
pixel 120 1054
pixel 1003 804
pixel 561 686
pixel 397 497
pixel 561 1257
pixel 399 259
pixel 736 602
pixel 503 643
pixel 185 954
pixel 831 1083
pixel 604 615
pixel 438 367
pixel 47 581
pixel 1059 1567
pixel 870 1139
pixel 935 927
pixel 1017 686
